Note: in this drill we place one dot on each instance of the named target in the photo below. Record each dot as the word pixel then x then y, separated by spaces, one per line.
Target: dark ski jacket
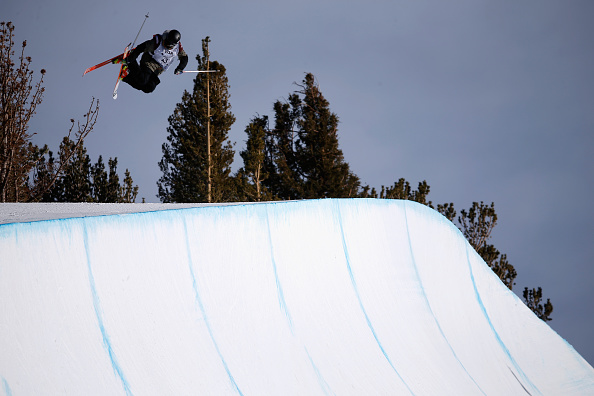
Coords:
pixel 147 49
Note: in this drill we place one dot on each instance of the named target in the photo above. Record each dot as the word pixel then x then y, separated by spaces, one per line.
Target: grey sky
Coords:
pixel 487 101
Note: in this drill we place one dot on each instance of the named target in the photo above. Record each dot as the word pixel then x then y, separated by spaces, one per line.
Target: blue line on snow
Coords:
pixel 7 390
pixel 323 384
pixel 414 262
pixel 321 381
pixel 369 324
pixel 97 306
pixel 279 288
pixel 499 340
pixel 203 310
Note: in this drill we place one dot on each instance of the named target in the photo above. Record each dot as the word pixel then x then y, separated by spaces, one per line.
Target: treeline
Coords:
pixel 29 173
pixel 292 155
pixel 82 181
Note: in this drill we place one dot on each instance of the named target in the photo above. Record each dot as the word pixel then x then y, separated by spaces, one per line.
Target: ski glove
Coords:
pixel 178 71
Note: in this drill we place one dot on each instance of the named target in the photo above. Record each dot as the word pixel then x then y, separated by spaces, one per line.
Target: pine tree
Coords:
pixel 114 190
pixel 43 174
pixel 74 185
pixel 105 187
pixel 533 300
pixel 200 124
pixel 99 181
pixel 401 190
pixel 129 190
pixel 477 224
pixel 253 174
pixel 321 161
pixel 303 158
pixel 280 162
pixel 447 209
pixel 81 181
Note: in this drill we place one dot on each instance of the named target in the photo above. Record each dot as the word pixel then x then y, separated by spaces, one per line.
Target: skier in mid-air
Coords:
pixel 158 54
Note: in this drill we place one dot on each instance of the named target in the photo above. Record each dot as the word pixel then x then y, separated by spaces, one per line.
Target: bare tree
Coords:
pixel 19 98
pixel 43 181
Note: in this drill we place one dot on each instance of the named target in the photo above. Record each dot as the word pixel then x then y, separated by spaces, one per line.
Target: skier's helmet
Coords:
pixel 171 38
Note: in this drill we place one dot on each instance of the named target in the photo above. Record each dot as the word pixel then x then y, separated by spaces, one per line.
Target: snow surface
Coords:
pixel 345 297
pixel 26 212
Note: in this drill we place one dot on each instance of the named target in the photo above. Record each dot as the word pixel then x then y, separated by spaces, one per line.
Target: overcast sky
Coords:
pixel 486 100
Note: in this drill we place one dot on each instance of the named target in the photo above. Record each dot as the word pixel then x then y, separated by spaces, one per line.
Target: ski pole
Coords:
pixel 134 42
pixel 200 71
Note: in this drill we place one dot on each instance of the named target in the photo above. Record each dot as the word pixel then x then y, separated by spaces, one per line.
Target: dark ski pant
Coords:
pixel 141 78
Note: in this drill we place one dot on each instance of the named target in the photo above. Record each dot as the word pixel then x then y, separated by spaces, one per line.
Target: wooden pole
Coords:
pixel 207 40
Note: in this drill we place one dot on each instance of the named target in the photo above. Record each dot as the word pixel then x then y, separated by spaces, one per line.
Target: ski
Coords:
pixel 115 59
pixel 124 68
pixel 123 72
pixel 119 59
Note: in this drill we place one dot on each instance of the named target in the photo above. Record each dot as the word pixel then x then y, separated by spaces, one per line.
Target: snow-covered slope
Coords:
pixel 345 297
